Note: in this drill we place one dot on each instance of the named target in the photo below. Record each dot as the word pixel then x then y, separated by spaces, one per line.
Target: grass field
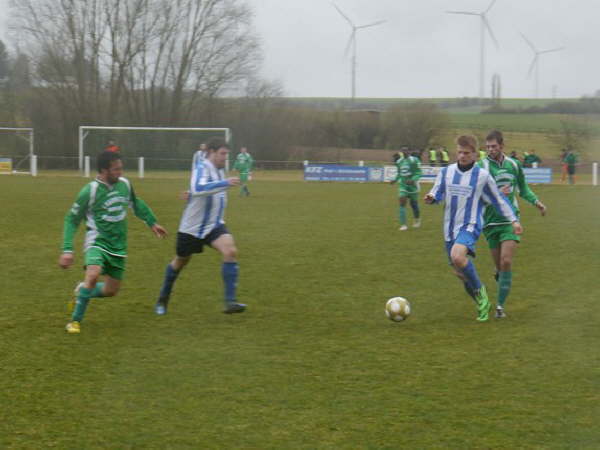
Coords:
pixel 313 363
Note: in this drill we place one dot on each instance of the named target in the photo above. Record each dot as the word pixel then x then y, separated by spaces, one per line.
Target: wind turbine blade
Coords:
pixel 552 50
pixel 532 66
pixel 489 28
pixel 343 15
pixel 468 13
pixel 490 7
pixel 379 22
pixel 528 42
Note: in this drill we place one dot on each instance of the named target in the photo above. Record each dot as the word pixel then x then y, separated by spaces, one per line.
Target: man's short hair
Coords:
pixel 495 135
pixel 105 159
pixel 215 144
pixel 468 141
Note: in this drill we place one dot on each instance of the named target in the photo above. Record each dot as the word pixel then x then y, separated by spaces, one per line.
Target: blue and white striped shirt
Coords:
pixel 205 209
pixel 465 195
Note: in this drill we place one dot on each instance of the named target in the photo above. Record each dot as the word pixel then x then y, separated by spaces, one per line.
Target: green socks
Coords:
pixel 83 299
pixel 504 284
pixel 97 291
pixel 402 215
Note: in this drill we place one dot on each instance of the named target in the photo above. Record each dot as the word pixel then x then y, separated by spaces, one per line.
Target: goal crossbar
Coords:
pixel 84 128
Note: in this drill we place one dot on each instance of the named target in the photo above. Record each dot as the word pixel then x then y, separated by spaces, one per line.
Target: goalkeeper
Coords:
pixel 243 164
pixel 409 173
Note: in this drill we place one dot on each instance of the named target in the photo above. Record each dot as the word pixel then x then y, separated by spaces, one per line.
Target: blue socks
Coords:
pixel 470 291
pixel 170 277
pixel 472 277
pixel 97 291
pixel 230 272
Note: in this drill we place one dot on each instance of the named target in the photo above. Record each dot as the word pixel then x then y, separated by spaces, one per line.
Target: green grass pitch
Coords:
pixel 313 363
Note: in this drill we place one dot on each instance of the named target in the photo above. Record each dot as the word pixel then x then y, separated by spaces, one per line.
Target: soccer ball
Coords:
pixel 397 309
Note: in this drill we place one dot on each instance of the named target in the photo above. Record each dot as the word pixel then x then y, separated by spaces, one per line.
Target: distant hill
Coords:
pixel 459 105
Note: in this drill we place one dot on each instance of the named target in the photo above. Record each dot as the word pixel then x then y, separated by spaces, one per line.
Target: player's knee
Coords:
pixel 179 263
pixel 505 263
pixel 458 260
pixel 230 253
pixel 110 291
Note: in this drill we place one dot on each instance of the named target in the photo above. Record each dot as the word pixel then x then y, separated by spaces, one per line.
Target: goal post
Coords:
pixel 135 142
pixel 21 157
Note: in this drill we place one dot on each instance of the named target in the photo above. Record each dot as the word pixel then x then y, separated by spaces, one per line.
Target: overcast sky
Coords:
pixel 421 51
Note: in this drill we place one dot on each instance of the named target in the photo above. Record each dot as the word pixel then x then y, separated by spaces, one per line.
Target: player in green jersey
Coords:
pixel 499 234
pixel 570 160
pixel 103 203
pixel 243 164
pixel 408 175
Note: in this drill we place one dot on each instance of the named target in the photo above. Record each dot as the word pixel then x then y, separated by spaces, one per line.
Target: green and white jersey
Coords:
pixel 570 159
pixel 506 173
pixel 409 169
pixel 105 210
pixel 243 163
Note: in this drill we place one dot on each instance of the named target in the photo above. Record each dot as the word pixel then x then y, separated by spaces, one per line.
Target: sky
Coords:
pixel 420 51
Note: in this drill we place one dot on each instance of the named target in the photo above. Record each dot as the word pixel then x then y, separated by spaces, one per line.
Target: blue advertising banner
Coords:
pixel 539 175
pixel 334 172
pixel 331 172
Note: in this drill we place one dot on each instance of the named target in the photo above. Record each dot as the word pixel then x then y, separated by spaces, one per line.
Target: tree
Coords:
pixel 415 125
pixel 576 134
pixel 4 62
pixel 145 62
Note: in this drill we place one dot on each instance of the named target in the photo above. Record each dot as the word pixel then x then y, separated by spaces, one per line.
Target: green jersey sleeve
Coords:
pixel 524 191
pixel 141 209
pixel 416 171
pixel 73 218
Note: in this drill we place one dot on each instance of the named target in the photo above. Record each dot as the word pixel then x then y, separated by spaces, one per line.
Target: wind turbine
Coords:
pixel 485 25
pixel 352 45
pixel 535 63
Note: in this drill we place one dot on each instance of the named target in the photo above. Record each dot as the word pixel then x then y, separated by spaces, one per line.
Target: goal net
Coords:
pixel 146 148
pixel 16 150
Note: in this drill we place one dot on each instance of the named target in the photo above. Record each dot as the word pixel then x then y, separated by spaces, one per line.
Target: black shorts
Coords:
pixel 187 244
pixel 571 170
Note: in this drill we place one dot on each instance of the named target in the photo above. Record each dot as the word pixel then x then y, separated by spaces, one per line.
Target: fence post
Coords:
pixel 141 167
pixel 86 171
pixel 595 174
pixel 361 163
pixel 33 167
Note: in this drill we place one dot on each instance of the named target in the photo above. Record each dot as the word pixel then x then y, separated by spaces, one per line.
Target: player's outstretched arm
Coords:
pixel 438 190
pixel 72 220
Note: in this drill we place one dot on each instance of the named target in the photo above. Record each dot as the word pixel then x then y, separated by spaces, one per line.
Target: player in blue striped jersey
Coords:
pixel 466 189
pixel 202 223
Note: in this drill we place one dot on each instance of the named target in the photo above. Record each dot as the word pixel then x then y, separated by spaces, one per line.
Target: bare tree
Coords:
pixel 136 61
pixel 415 125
